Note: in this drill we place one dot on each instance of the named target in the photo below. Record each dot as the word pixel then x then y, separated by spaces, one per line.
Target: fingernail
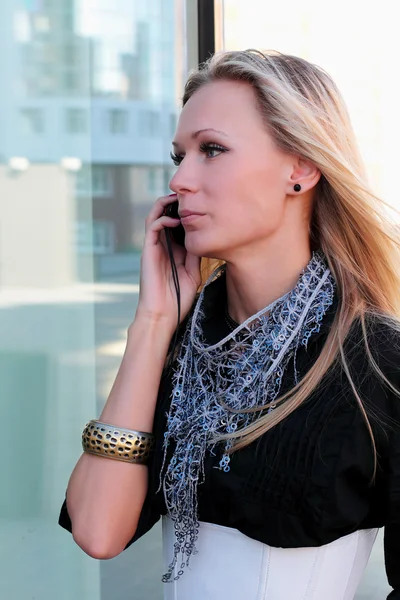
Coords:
pixel 174 194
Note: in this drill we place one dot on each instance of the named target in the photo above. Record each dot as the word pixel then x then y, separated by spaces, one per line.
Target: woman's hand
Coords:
pixel 157 298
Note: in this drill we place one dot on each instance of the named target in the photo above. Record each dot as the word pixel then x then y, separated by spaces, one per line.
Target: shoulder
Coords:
pixel 372 352
pixel 371 357
pixel 378 338
pixel 383 337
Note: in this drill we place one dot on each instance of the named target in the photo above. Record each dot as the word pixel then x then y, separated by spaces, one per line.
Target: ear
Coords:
pixel 304 173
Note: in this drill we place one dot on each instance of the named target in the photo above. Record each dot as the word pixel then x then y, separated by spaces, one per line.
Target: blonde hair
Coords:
pixel 304 112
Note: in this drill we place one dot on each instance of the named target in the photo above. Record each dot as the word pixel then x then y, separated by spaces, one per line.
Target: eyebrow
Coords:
pixel 197 133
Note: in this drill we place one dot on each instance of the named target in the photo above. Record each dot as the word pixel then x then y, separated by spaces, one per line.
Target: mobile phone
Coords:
pixel 177 233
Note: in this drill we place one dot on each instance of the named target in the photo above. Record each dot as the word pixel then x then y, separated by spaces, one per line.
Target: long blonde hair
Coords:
pixel 304 112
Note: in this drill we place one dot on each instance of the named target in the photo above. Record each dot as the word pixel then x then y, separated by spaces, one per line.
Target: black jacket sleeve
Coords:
pixel 392 525
pixel 390 352
pixel 392 555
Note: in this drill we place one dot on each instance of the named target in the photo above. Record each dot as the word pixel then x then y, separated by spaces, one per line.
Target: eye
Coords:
pixel 204 147
pixel 176 159
pixel 207 148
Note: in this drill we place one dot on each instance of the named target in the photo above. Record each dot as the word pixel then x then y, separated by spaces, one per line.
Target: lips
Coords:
pixel 190 218
pixel 189 213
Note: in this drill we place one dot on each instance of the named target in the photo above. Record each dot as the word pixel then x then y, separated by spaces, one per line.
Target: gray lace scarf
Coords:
pixel 245 370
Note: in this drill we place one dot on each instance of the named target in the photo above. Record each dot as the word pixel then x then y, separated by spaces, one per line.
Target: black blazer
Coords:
pixel 306 482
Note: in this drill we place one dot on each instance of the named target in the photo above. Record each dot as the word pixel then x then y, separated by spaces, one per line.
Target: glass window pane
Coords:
pixel 118 120
pixel 76 120
pixel 78 175
pixel 31 121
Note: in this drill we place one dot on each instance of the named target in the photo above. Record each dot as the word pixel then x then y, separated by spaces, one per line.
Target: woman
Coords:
pixel 277 453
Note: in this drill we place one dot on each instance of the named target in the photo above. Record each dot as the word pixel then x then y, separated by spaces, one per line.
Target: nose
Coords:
pixel 185 179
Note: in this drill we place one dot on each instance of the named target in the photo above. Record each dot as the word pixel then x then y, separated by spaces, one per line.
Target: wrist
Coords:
pixel 155 319
pixel 151 328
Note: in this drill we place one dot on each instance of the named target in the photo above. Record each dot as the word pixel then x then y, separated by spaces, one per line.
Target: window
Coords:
pixel 95 181
pixel 152 181
pixel 150 123
pixel 32 121
pixel 96 239
pixel 76 120
pixel 70 248
pixel 167 178
pixel 68 20
pixel 72 54
pixel 118 121
pixel 70 81
pixel 158 179
pixel 172 123
pixel 101 181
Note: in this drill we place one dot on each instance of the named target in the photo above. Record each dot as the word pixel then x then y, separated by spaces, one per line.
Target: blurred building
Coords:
pixel 92 99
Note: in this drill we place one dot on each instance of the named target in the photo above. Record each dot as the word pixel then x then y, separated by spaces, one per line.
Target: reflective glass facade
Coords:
pixel 88 107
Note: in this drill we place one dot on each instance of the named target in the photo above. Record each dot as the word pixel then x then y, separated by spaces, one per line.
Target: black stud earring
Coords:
pixel 297 187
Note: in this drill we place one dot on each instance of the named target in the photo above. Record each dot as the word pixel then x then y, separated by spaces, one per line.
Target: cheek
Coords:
pixel 254 212
pixel 245 204
pixel 254 194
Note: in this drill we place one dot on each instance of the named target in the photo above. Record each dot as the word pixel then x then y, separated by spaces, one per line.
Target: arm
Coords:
pixel 105 497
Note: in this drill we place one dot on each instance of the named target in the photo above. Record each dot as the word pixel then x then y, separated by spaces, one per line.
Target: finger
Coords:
pixel 153 232
pixel 158 208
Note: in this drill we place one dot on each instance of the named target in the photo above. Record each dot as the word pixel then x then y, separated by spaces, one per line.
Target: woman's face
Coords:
pixel 231 175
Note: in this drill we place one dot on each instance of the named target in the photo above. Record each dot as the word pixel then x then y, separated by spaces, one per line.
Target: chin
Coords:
pixel 202 248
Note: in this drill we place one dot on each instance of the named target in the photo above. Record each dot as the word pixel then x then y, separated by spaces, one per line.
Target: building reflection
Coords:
pixel 89 98
pixel 91 103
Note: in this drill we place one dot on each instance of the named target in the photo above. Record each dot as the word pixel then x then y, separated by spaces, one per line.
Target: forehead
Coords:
pixel 223 105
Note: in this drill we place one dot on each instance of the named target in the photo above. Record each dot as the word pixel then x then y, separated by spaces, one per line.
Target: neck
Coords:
pixel 252 284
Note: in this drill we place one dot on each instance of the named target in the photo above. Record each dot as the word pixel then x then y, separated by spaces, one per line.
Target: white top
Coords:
pixel 231 566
